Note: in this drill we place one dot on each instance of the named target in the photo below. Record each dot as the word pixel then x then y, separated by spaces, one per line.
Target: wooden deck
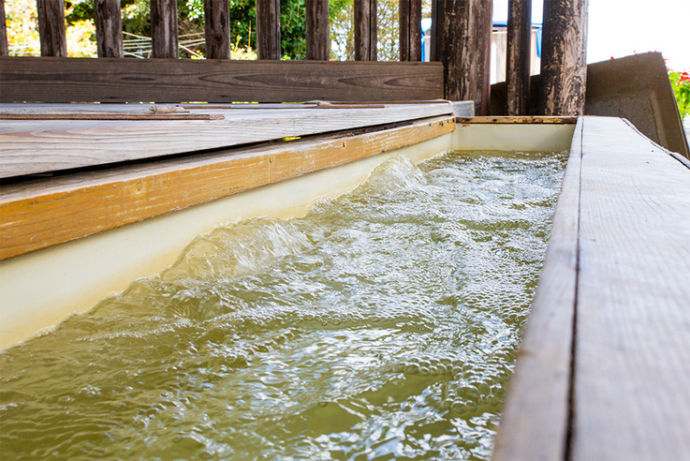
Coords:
pixel 603 370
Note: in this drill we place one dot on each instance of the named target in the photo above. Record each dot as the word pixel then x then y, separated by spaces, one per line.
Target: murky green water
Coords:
pixel 382 325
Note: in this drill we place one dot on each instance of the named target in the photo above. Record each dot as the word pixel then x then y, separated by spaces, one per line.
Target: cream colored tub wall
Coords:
pixel 41 289
pixel 513 138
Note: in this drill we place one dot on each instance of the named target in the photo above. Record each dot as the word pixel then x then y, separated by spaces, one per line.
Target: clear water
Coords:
pixel 382 325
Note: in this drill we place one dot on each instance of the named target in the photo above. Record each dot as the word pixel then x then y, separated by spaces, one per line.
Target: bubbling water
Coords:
pixel 381 325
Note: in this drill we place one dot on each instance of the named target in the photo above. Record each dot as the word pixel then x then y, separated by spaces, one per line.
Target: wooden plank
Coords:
pixel 410 20
pixel 518 57
pixel 47 213
pixel 268 29
pixel 511 120
pixel 535 420
pixel 28 147
pixel 365 30
pixel 464 47
pixel 106 116
pixel 318 38
pixel 164 28
pixel 51 27
pixel 563 60
pixel 133 80
pixel 4 50
pixel 217 29
pixel 632 399
pixel 109 29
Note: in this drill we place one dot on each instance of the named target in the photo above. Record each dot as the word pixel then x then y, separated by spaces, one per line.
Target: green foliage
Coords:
pixel 680 82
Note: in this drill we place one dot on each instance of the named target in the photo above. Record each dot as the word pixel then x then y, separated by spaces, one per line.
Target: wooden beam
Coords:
pixel 175 80
pixel 563 59
pixel 268 29
pixel 464 47
pixel 51 212
pixel 365 30
pixel 51 27
pixel 410 16
pixel 4 51
pixel 318 39
pixel 164 28
pixel 518 56
pixel 109 29
pixel 217 29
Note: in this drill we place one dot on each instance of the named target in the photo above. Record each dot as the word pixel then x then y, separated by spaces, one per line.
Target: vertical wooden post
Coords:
pixel 564 58
pixel 217 29
pixel 436 18
pixel 518 57
pixel 464 47
pixel 109 29
pixel 410 30
pixel 365 30
pixel 318 40
pixel 51 27
pixel 164 28
pixel 4 50
pixel 268 29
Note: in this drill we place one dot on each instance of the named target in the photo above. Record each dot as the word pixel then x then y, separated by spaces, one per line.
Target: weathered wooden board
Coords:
pixel 410 20
pixel 268 29
pixel 535 420
pixel 518 57
pixel 108 18
pixel 217 29
pixel 47 145
pixel 51 27
pixel 176 80
pixel 317 26
pixel 164 28
pixel 632 367
pixel 48 212
pixel 365 30
pixel 507 120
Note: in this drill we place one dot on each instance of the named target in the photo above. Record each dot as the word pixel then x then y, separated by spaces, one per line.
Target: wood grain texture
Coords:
pixel 410 17
pixel 109 28
pixel 365 30
pixel 518 57
pixel 28 147
pixel 535 421
pixel 632 398
pixel 133 80
pixel 51 27
pixel 217 29
pixel 512 120
pixel 4 50
pixel 564 58
pixel 317 23
pixel 268 29
pixel 464 47
pixel 47 213
pixel 164 28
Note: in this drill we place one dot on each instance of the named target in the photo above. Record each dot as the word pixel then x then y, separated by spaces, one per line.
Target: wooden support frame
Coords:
pixel 365 30
pixel 410 19
pixel 518 57
pixel 67 80
pixel 164 28
pixel 217 29
pixel 51 27
pixel 564 58
pixel 108 17
pixel 4 51
pixel 317 23
pixel 268 29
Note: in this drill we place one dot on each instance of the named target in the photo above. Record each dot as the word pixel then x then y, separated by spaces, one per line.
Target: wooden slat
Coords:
pixel 268 29
pixel 510 120
pixel 563 59
pixel 535 420
pixel 217 29
pixel 4 51
pixel 518 57
pixel 632 399
pixel 51 27
pixel 318 39
pixel 37 146
pixel 365 30
pixel 164 28
pixel 109 29
pixel 48 213
pixel 464 47
pixel 410 17
pixel 134 80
